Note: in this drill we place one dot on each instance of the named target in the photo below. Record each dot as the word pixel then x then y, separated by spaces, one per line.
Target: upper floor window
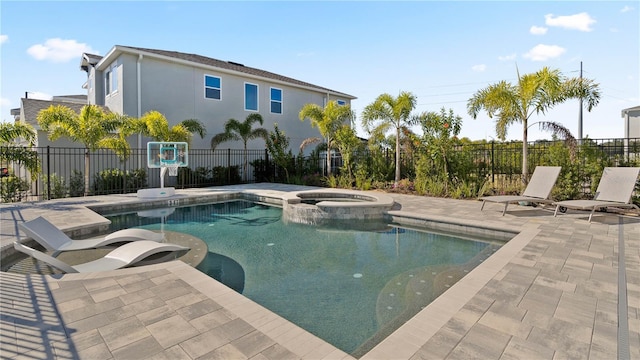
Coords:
pixel 342 102
pixel 276 101
pixel 212 87
pixel 107 82
pixel 111 79
pixel 250 97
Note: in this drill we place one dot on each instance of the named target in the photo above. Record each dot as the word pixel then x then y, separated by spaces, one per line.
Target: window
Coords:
pixel 212 88
pixel 342 102
pixel 250 97
pixel 107 82
pixel 111 79
pixel 276 101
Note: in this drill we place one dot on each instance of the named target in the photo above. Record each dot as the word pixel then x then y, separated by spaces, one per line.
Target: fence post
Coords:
pixel 493 173
pixel 48 172
pixel 266 164
pixel 124 178
pixel 229 166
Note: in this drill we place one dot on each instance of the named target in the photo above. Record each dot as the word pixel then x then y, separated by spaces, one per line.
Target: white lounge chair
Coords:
pixel 615 189
pixel 537 191
pixel 123 256
pixel 53 239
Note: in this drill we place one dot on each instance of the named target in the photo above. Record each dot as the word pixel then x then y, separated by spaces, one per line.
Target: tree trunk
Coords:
pixel 86 173
pixel 525 154
pixel 397 155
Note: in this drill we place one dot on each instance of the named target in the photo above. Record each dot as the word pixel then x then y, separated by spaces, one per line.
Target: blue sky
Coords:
pixel 442 52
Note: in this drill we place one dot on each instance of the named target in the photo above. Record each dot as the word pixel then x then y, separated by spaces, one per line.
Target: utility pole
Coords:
pixel 580 110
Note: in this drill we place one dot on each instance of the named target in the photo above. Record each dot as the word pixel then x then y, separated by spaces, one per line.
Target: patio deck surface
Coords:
pixel 563 288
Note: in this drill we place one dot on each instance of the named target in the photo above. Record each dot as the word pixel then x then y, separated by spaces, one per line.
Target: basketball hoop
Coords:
pixel 173 169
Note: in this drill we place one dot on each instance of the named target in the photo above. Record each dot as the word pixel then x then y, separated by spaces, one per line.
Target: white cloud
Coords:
pixel 538 30
pixel 4 38
pixel 39 95
pixel 543 52
pixel 626 9
pixel 581 21
pixel 5 102
pixel 507 57
pixel 59 50
pixel 479 68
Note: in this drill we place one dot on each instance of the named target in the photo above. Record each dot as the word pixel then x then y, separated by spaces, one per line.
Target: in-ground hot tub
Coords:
pixel 315 207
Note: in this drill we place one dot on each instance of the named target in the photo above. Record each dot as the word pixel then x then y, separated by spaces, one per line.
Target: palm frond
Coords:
pixel 309 141
pixel 194 126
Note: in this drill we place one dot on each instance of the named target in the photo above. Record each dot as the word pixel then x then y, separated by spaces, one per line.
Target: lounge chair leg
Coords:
pixel 482 207
pixel 556 212
pixel 505 208
pixel 590 215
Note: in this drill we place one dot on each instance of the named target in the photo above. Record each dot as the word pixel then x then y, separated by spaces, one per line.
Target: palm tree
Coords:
pixel 9 132
pixel 328 121
pixel 235 130
pixel 387 112
pixel 92 127
pixel 9 135
pixel 534 93
pixel 155 125
pixel 348 143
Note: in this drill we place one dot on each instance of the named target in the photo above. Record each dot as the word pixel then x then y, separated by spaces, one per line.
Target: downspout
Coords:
pixel 139 115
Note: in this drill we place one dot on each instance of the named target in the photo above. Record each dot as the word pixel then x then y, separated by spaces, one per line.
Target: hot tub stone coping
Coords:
pixel 368 199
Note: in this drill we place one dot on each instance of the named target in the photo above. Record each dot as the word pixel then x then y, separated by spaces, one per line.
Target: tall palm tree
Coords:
pixel 12 134
pixel 535 93
pixel 235 130
pixel 387 112
pixel 155 125
pixel 92 127
pixel 328 120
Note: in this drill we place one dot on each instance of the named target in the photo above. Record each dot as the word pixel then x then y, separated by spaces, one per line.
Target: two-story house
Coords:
pixel 132 81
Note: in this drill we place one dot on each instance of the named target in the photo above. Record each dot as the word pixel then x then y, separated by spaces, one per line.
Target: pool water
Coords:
pixel 350 288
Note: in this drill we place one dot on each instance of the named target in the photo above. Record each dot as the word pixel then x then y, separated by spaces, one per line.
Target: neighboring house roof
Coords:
pixel 32 107
pixel 229 66
pixel 626 111
pixel 72 98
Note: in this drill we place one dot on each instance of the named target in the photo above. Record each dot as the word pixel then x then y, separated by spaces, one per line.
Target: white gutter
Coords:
pixel 139 90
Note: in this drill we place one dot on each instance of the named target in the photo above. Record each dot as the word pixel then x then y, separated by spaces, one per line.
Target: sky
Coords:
pixel 443 52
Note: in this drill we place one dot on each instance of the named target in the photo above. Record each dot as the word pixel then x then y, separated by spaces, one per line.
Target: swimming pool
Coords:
pixel 351 288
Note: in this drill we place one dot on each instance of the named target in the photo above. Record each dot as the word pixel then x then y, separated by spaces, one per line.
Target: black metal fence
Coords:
pixel 62 170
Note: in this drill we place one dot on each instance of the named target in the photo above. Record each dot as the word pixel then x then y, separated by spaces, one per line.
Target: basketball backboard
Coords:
pixel 167 154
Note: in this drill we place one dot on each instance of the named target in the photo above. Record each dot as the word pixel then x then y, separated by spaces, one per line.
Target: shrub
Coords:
pixel 199 177
pixel 13 188
pixel 58 187
pixel 76 184
pixel 113 181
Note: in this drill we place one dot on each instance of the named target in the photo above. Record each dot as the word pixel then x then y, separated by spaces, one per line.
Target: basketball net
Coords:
pixel 173 169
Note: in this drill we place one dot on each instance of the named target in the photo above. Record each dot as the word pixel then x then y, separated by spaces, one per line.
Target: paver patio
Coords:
pixel 555 291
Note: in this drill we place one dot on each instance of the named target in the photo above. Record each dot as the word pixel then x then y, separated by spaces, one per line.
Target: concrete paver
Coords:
pixel 549 293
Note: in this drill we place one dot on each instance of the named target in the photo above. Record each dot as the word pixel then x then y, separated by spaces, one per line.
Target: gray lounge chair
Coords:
pixel 123 256
pixel 53 239
pixel 615 189
pixel 537 191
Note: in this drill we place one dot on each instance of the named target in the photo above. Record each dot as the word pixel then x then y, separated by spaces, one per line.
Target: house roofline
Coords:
pixel 625 111
pixel 119 49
